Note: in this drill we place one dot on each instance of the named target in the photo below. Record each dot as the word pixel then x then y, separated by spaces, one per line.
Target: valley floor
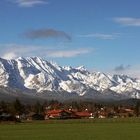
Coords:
pixel 90 129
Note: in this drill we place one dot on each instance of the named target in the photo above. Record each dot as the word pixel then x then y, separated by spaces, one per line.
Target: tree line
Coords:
pixel 18 108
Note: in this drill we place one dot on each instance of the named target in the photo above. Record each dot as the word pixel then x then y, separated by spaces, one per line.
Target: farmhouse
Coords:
pixel 58 114
pixel 7 117
pixel 84 114
pixel 125 112
pixel 66 114
pixel 35 116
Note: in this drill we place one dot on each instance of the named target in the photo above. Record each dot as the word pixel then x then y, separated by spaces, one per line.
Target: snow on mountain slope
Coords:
pixel 34 73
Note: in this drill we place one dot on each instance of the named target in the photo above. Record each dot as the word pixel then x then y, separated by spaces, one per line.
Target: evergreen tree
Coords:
pixel 18 107
pixel 38 108
pixel 3 106
pixel 137 108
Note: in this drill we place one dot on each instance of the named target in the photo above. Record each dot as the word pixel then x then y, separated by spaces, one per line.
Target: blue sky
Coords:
pixel 102 35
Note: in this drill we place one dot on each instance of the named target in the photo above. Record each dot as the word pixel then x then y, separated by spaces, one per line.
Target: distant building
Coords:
pixel 66 114
pixel 35 116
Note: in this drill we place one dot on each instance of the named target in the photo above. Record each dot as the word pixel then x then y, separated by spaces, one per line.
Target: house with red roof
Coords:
pixel 66 114
pixel 58 114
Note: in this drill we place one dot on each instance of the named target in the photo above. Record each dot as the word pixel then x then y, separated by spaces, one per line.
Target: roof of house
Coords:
pixel 56 113
pixel 83 114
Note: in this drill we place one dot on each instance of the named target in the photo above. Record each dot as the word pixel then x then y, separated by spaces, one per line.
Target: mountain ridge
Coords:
pixel 36 74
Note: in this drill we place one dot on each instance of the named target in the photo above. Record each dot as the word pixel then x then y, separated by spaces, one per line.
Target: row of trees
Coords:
pixel 17 107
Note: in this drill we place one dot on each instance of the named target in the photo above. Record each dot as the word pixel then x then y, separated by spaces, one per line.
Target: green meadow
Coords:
pixel 92 129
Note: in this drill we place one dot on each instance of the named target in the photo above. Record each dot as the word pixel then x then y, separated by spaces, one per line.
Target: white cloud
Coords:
pixel 29 3
pixel 122 67
pixel 10 55
pixel 68 53
pixel 133 71
pixel 100 36
pixel 127 21
pixel 11 51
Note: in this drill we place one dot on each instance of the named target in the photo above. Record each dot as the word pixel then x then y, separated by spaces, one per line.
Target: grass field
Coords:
pixel 106 129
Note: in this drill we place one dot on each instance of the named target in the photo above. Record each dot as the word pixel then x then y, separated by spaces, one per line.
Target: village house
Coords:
pixel 4 116
pixel 67 114
pixel 126 112
pixel 35 116
pixel 57 114
pixel 84 114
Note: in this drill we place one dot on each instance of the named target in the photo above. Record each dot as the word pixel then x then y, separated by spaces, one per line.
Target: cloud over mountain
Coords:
pixel 12 51
pixel 46 33
pixel 69 53
pixel 29 3
pixel 127 21
pixel 100 36
pixel 122 67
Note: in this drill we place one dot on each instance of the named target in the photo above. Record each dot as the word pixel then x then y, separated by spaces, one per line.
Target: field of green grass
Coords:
pixel 95 129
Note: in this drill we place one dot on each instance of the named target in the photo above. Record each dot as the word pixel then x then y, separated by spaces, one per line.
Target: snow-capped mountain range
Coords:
pixel 36 74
